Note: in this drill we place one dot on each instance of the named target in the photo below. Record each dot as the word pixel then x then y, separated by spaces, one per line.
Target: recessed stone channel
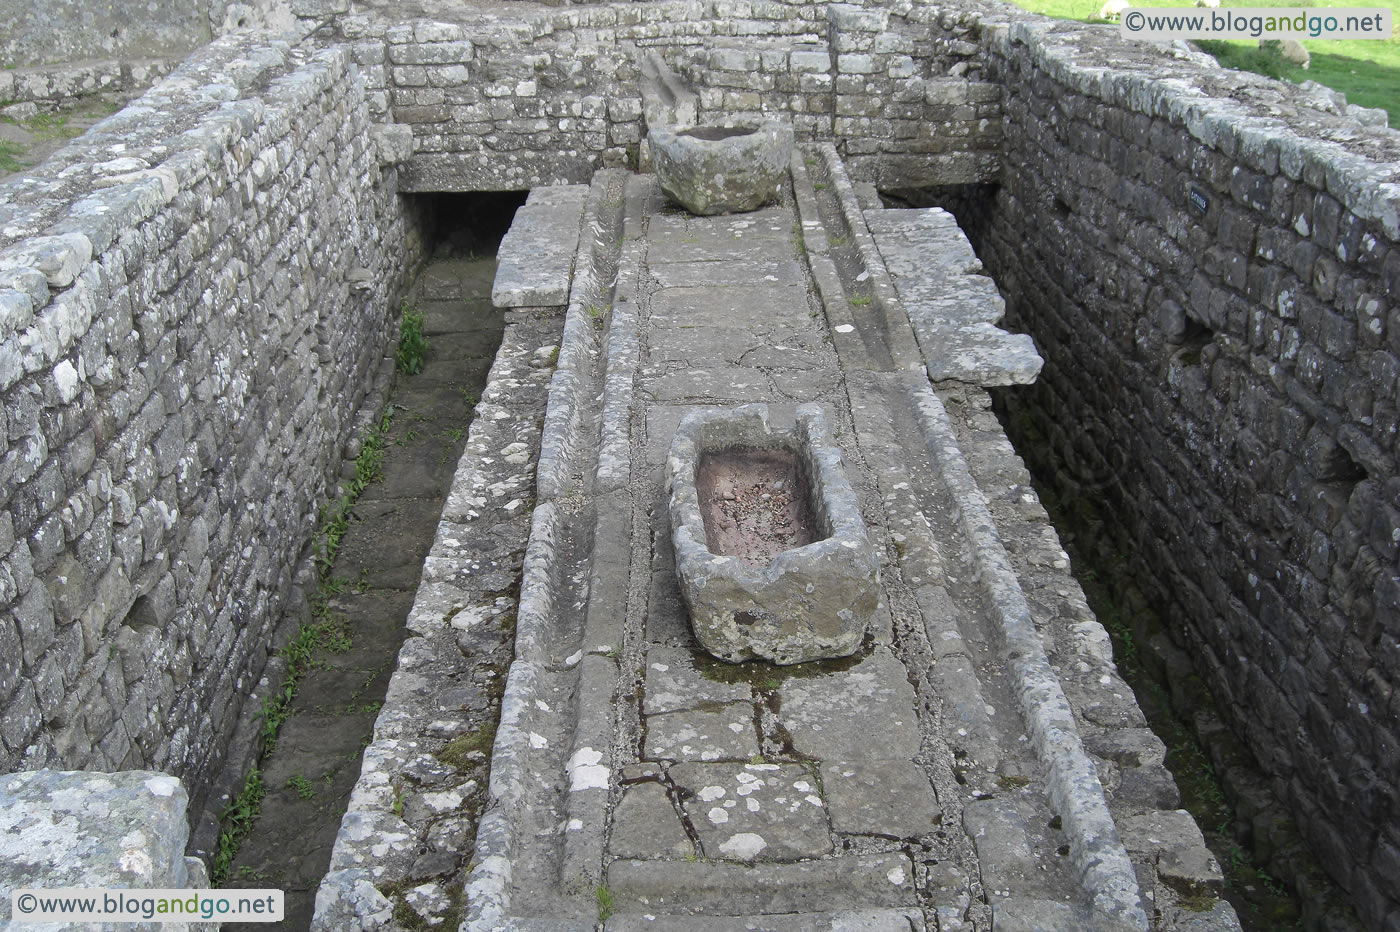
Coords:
pixel 358 613
pixel 756 503
pixel 1222 785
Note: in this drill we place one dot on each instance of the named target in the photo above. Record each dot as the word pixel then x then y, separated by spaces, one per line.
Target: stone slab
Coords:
pixel 676 237
pixel 674 681
pixel 858 920
pixel 727 733
pixel 864 713
pixel 727 384
pixel 756 308
pixel 79 829
pixel 710 272
pixel 534 265
pixel 891 798
pixel 646 825
pixel 980 354
pixel 729 889
pixel 754 812
pixel 951 307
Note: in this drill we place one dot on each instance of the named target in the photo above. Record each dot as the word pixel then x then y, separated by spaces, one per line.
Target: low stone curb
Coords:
pixel 1105 871
pixel 488 893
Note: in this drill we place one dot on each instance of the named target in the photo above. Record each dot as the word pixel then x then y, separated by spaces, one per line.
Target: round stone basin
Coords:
pixel 771 551
pixel 722 169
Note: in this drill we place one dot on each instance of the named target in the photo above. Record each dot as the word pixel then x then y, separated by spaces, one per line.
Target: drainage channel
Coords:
pixel 1265 862
pixel 370 556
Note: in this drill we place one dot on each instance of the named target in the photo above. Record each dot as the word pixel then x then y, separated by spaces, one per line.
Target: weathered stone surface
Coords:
pixel 714 170
pixel 754 812
pixel 809 602
pixel 723 734
pixel 723 888
pixel 79 829
pixel 1173 839
pixel 645 825
pixel 674 682
pixel 535 262
pixel 891 798
pixel 953 309
pixel 863 713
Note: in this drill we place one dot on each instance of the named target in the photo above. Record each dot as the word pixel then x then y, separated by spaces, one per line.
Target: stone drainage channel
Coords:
pixel 978 763
pixel 357 621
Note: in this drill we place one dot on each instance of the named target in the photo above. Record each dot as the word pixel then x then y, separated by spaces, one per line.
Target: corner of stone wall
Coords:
pixel 1206 260
pixel 188 332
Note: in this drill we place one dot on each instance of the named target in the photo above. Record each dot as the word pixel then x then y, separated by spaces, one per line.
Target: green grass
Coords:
pixel 1366 70
pixel 9 156
pixel 238 818
pixel 413 345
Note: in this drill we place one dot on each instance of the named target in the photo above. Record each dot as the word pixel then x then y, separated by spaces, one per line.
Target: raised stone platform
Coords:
pixel 977 764
pixel 536 258
pixel 953 308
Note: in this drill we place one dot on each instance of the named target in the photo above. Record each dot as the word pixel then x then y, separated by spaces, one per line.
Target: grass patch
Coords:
pixel 458 752
pixel 335 515
pixel 237 818
pixel 413 344
pixel 9 156
pixel 1366 70
pixel 606 903
pixel 303 787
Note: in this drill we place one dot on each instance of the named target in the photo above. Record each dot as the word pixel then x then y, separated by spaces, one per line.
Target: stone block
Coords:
pixel 713 170
pixel 806 601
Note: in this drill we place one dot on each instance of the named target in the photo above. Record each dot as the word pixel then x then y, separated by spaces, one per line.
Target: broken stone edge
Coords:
pixel 846 550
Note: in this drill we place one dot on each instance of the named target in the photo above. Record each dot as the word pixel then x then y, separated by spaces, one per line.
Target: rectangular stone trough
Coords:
pixel 771 550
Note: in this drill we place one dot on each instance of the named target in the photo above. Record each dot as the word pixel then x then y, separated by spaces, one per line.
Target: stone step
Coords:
pixel 535 263
pixel 952 307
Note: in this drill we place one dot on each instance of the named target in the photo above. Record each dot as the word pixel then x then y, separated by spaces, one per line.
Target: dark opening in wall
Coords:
pixel 1192 342
pixel 970 204
pixel 1337 468
pixel 469 223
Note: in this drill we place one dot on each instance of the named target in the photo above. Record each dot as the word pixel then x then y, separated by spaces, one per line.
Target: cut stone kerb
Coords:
pixel 786 604
pixel 719 169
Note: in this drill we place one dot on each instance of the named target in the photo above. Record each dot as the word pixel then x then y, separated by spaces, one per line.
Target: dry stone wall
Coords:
pixel 193 300
pixel 1209 264
pixel 548 97
pixel 53 52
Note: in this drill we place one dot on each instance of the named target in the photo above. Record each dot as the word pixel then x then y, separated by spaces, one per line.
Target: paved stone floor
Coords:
pixel 977 764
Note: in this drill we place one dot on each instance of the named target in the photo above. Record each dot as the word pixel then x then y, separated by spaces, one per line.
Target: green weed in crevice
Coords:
pixel 607 904
pixel 237 818
pixel 413 344
pixel 323 631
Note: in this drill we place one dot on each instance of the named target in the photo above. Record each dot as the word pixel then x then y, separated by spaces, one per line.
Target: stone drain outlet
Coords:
pixel 771 549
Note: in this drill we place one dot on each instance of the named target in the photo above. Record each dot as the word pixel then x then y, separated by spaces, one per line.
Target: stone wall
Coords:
pixel 51 53
pixel 194 298
pixel 1209 263
pixel 550 96
pixel 67 31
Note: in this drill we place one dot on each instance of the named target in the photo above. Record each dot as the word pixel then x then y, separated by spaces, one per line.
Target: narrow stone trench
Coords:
pixel 1176 703
pixel 359 616
pixel 1261 901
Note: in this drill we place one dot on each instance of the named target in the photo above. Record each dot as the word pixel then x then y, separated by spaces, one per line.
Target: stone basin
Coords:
pixel 722 169
pixel 771 550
